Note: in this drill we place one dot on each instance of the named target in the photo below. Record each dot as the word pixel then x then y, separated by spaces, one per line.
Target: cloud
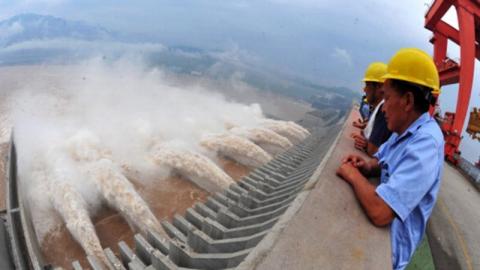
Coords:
pixel 42 2
pixel 75 44
pixel 12 8
pixel 7 31
pixel 304 3
pixel 342 56
pixel 236 55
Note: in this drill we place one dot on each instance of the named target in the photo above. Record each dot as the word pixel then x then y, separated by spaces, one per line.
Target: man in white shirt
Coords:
pixel 376 125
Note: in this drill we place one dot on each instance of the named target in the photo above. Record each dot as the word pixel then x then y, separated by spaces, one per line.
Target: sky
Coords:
pixel 329 42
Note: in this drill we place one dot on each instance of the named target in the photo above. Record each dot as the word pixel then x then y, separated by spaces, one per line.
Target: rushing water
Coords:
pixel 237 148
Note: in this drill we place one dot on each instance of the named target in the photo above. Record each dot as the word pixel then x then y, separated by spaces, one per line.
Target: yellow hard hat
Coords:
pixel 415 66
pixel 375 71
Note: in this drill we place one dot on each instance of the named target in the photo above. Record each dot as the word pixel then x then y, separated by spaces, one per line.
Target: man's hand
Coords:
pixel 359 123
pixel 360 141
pixel 378 211
pixel 358 162
pixel 348 172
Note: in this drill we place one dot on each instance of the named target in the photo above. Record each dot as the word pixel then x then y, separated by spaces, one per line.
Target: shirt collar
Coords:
pixel 425 117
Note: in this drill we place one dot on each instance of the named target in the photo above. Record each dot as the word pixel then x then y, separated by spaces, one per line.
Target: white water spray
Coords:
pixel 237 148
pixel 112 184
pixel 196 167
pixel 108 99
pixel 288 129
pixel 70 205
pixel 270 141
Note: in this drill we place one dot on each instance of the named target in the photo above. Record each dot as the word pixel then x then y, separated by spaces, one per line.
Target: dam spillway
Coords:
pixel 218 231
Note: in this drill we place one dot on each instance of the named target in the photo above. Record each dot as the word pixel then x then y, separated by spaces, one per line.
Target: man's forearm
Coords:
pixel 376 209
pixel 364 191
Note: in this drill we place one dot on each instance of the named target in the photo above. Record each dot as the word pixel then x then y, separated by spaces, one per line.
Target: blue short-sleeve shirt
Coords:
pixel 411 167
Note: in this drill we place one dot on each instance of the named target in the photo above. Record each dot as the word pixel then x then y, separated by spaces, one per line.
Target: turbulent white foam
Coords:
pixel 112 184
pixel 237 148
pixel 294 132
pixel 71 206
pixel 298 128
pixel 194 166
pixel 268 140
pixel 121 195
pixel 68 202
pixel 302 129
pixel 129 109
pixel 84 146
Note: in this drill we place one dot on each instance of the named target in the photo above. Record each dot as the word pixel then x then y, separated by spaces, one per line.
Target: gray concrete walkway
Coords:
pixel 454 228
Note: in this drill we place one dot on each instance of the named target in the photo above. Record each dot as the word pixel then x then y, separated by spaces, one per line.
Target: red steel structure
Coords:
pixel 451 72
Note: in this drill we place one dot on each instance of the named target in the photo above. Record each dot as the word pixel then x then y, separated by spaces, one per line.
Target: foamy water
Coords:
pixel 288 129
pixel 108 122
pixel 57 177
pixel 193 166
pixel 115 188
pixel 267 139
pixel 72 208
pixel 121 195
pixel 237 148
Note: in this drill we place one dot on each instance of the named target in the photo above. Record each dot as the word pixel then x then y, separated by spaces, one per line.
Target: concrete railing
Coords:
pixel 24 249
pixel 472 172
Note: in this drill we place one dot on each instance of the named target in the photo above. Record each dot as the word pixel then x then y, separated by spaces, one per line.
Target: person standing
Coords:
pixel 364 109
pixel 375 132
pixel 410 163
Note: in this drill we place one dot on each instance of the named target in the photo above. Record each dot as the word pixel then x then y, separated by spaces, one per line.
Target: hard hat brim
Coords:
pixel 373 80
pixel 411 80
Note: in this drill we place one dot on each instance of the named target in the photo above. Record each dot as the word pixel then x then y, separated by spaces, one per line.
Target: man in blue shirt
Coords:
pixel 409 163
pixel 364 109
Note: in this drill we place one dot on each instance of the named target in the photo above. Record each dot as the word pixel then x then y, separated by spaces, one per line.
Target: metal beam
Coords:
pixel 471 6
pixel 450 76
pixel 451 33
pixel 448 31
pixel 436 12
pixel 466 22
